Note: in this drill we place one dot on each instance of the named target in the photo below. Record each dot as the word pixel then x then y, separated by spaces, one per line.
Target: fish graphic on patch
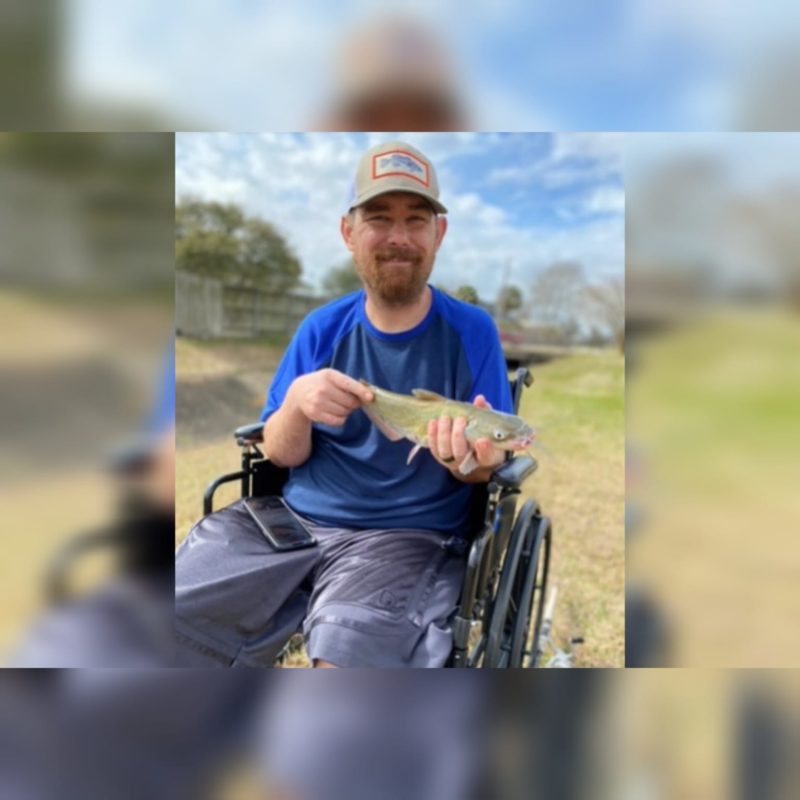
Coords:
pixel 393 163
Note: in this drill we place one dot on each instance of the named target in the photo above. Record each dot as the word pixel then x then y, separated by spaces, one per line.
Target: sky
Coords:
pixel 735 222
pixel 517 202
pixel 576 65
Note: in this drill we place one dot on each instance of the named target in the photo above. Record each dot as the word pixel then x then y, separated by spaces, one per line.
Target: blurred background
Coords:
pixel 428 735
pixel 535 237
pixel 713 391
pixel 413 65
pixel 710 239
pixel 86 311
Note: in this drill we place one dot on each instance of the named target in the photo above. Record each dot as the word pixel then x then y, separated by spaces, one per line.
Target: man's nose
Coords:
pixel 398 234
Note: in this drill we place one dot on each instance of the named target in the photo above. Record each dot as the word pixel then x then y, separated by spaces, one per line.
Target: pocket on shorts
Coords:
pixel 426 588
pixel 385 576
pixel 229 582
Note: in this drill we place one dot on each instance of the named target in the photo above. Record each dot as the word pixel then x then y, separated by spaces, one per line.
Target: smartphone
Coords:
pixel 281 528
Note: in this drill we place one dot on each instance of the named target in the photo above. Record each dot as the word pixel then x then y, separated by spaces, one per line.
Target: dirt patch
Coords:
pixel 196 359
pixel 219 387
pixel 209 409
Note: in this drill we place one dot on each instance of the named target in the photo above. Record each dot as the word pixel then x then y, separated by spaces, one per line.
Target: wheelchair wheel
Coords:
pixel 531 592
pixel 516 616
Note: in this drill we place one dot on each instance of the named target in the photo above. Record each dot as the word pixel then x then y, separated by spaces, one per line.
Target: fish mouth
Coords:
pixel 523 442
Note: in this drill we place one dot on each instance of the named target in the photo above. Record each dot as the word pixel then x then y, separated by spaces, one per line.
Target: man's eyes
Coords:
pixel 380 218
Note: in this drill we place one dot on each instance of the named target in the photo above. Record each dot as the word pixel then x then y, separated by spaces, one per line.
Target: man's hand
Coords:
pixel 449 447
pixel 327 396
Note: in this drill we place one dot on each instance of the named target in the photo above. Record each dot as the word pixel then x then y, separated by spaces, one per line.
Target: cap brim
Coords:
pixel 437 206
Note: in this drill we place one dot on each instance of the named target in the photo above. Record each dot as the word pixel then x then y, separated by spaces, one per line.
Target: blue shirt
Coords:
pixel 355 477
pixel 162 415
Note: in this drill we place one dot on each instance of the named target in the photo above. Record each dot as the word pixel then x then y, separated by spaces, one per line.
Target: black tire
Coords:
pixel 531 590
pixel 515 591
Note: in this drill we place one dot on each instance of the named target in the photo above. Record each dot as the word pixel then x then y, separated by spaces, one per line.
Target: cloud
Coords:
pixel 605 200
pixel 571 158
pixel 299 182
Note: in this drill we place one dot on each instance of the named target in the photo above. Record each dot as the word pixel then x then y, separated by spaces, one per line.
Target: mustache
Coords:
pixel 400 254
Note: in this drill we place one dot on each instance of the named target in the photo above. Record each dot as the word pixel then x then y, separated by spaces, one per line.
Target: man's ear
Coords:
pixel 346 230
pixel 441 229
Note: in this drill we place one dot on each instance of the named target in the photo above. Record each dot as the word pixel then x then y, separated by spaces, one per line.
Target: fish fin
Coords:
pixel 424 394
pixel 414 451
pixel 387 430
pixel 468 464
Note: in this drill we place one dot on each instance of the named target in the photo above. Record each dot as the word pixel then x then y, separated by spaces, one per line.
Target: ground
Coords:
pixel 577 404
pixel 78 379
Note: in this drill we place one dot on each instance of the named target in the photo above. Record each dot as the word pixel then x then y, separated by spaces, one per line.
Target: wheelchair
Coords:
pixel 499 617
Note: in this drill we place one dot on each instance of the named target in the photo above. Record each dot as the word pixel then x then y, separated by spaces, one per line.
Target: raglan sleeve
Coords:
pixel 491 372
pixel 299 359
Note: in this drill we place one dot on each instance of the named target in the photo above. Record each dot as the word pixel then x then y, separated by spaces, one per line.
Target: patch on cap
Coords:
pixel 400 162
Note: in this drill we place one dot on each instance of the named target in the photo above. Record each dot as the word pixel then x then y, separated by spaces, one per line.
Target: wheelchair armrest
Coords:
pixel 249 434
pixel 132 458
pixel 511 474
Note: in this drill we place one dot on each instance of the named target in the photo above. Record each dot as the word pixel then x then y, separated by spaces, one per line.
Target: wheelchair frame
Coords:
pixel 499 618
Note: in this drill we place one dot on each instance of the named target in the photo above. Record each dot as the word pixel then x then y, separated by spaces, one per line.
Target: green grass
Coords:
pixel 577 403
pixel 714 414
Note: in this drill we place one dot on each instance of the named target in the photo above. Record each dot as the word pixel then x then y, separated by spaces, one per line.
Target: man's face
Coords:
pixel 394 239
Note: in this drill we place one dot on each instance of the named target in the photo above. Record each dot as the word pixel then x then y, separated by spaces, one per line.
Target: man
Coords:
pixel 126 621
pixel 381 584
pixel 395 74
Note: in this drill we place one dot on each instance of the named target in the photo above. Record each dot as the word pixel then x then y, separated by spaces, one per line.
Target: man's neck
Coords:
pixel 397 319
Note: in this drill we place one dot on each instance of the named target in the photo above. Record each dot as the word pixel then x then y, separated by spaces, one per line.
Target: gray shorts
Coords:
pixel 363 598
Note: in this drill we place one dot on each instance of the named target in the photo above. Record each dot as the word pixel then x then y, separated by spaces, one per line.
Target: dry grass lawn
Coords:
pixel 577 404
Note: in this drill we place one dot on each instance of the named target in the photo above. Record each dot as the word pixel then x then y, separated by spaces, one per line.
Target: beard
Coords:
pixel 396 285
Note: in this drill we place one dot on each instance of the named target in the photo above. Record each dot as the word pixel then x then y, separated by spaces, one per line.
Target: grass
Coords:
pixel 47 503
pixel 577 404
pixel 714 419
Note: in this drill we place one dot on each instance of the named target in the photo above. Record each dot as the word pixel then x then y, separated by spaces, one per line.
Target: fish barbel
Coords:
pixel 402 416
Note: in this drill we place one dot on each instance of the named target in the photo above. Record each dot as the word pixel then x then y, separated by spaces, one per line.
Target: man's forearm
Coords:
pixel 287 436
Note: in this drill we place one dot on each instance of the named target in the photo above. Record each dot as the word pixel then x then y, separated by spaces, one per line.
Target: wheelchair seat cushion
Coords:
pixel 365 598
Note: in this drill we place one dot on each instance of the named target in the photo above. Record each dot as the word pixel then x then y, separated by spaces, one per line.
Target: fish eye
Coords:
pixel 499 435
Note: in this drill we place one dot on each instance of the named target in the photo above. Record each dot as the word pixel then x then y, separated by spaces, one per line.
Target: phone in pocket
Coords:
pixel 278 523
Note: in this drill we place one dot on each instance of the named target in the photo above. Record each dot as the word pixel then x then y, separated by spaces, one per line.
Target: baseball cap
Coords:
pixel 395 167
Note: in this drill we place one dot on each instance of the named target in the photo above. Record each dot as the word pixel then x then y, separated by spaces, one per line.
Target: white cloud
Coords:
pixel 572 158
pixel 605 199
pixel 299 183
pixel 481 246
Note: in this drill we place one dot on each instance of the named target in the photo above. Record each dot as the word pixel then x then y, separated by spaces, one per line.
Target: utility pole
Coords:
pixel 500 306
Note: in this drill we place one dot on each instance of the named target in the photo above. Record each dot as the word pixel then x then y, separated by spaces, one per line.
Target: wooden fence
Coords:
pixel 208 309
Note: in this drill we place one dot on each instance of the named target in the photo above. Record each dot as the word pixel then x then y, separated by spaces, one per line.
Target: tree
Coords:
pixel 605 303
pixel 219 240
pixel 469 294
pixel 341 280
pixel 557 296
pixel 508 301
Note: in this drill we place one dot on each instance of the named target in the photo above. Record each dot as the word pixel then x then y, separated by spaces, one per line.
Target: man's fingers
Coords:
pixel 343 398
pixel 335 420
pixel 433 438
pixel 338 409
pixel 481 402
pixel 444 438
pixel 487 454
pixel 459 444
pixel 354 387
